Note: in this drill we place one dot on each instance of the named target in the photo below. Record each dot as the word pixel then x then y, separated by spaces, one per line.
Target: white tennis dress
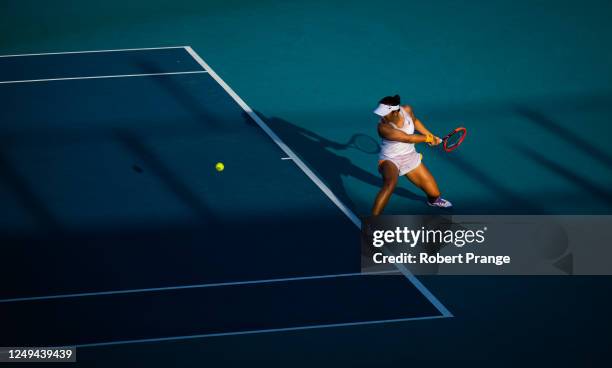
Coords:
pixel 403 155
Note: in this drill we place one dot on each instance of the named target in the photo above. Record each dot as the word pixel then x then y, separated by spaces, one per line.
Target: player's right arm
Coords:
pixel 389 133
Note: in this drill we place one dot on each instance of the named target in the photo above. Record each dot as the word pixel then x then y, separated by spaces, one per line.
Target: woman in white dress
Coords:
pixel 398 156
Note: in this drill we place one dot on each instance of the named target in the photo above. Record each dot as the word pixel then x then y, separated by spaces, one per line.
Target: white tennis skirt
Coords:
pixel 405 163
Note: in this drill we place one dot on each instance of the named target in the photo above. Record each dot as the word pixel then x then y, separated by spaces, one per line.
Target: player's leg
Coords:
pixel 423 179
pixel 389 173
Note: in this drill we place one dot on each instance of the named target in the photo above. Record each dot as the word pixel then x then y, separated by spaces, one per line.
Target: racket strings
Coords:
pixel 454 139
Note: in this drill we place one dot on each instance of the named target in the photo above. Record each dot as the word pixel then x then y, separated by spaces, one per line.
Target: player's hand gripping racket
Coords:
pixel 454 139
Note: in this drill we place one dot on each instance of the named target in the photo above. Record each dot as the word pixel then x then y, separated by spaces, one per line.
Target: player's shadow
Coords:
pixel 320 154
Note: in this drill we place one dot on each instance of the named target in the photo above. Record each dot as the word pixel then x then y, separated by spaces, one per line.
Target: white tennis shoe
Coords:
pixel 440 202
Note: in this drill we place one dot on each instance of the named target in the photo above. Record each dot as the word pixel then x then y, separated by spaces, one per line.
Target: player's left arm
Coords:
pixel 418 124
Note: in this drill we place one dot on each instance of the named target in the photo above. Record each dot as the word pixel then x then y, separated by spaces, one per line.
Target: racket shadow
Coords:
pixel 318 153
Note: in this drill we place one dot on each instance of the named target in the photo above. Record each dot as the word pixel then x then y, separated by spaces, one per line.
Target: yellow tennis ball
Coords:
pixel 219 166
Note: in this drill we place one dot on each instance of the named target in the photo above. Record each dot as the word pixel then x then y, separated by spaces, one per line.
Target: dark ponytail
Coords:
pixel 390 100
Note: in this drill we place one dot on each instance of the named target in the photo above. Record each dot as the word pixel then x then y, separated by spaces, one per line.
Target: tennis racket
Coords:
pixel 454 139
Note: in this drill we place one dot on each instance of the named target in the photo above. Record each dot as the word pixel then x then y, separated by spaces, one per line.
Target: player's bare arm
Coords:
pixel 388 132
pixel 398 156
pixel 420 127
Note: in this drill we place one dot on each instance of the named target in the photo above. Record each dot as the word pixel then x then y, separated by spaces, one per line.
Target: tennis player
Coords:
pixel 398 156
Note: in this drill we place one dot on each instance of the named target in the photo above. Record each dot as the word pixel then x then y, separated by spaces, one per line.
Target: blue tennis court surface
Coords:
pixel 116 227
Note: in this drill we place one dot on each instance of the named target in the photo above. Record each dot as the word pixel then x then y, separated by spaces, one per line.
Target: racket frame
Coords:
pixel 455 131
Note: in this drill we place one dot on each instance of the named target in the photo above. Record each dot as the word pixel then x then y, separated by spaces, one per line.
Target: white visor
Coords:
pixel 383 109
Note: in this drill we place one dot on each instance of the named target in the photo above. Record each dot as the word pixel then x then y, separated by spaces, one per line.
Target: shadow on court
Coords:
pixel 320 154
pixel 563 172
pixel 174 184
pixel 28 197
pixel 518 203
pixel 571 137
pixel 200 109
pixel 144 255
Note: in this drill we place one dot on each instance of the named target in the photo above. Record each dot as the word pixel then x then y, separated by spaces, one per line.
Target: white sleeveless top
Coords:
pixel 392 149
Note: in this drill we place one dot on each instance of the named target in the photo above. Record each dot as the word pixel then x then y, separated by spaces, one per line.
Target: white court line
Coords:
pixel 187 287
pixel 286 158
pixel 238 333
pixel 93 51
pixel 276 139
pixel 102 77
pixel 324 188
